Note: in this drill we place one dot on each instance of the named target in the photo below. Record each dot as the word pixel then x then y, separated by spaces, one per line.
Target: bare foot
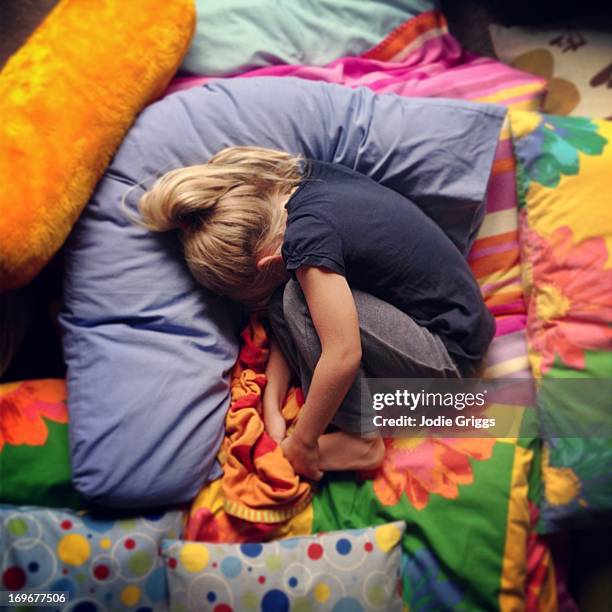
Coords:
pixel 274 424
pixel 345 451
pixel 304 458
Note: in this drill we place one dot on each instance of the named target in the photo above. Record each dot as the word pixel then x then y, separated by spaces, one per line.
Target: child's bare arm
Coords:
pixel 334 315
pixel 278 374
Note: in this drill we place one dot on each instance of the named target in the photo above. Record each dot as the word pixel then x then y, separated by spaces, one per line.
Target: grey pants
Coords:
pixel 393 346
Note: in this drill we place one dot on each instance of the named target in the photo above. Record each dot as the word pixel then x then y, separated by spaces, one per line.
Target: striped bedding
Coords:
pixel 420 58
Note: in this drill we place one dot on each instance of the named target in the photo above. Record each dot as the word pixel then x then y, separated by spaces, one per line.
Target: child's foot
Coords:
pixel 304 458
pixel 345 451
pixel 274 424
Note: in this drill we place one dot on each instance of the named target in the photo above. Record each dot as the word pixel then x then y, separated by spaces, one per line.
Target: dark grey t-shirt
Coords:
pixel 385 245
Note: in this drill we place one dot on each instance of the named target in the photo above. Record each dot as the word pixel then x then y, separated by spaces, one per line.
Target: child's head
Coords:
pixel 231 216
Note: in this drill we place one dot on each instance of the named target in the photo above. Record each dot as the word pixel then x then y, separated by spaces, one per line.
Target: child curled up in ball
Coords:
pixel 357 280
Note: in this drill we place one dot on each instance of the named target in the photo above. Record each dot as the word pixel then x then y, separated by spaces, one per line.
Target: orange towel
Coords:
pixel 258 483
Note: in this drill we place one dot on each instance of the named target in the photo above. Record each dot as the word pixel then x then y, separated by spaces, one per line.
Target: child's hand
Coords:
pixel 274 422
pixel 303 457
pixel 278 375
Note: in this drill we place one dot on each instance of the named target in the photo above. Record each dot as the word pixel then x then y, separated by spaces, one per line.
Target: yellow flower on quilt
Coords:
pixel 523 122
pixel 551 303
pixel 561 485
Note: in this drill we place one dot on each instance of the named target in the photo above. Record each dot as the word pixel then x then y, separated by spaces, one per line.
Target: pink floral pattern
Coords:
pixel 420 467
pixel 571 301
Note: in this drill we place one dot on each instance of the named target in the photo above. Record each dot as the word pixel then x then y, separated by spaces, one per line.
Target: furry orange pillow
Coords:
pixel 67 97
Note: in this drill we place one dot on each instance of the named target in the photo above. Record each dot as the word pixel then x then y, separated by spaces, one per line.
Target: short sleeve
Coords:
pixel 312 241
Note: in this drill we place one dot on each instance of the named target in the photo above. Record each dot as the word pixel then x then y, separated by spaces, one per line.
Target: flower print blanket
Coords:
pixel 436 485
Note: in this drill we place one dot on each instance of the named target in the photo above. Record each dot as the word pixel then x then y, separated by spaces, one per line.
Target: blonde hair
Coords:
pixel 230 215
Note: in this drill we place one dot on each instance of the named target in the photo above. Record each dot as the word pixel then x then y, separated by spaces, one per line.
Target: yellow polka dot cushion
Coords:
pixel 346 571
pixel 67 97
pixel 99 563
pixel 563 171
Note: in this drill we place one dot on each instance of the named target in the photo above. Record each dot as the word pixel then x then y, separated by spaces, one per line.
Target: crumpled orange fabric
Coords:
pixel 259 485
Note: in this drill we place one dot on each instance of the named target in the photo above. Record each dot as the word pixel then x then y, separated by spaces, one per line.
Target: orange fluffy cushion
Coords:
pixel 67 97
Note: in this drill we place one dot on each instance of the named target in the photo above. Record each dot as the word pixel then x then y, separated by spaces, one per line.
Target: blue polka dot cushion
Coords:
pixel 341 571
pixel 103 563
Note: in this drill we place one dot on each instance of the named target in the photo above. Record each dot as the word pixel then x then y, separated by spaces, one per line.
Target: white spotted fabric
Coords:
pixel 341 571
pixel 104 564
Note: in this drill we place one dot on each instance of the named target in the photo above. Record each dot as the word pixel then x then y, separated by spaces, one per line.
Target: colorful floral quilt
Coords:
pixel 566 239
pixel 34 455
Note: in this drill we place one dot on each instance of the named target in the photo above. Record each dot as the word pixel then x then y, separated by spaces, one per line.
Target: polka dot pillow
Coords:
pixel 342 571
pixel 104 564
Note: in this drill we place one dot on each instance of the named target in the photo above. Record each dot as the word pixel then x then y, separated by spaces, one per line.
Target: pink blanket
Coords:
pixel 418 59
